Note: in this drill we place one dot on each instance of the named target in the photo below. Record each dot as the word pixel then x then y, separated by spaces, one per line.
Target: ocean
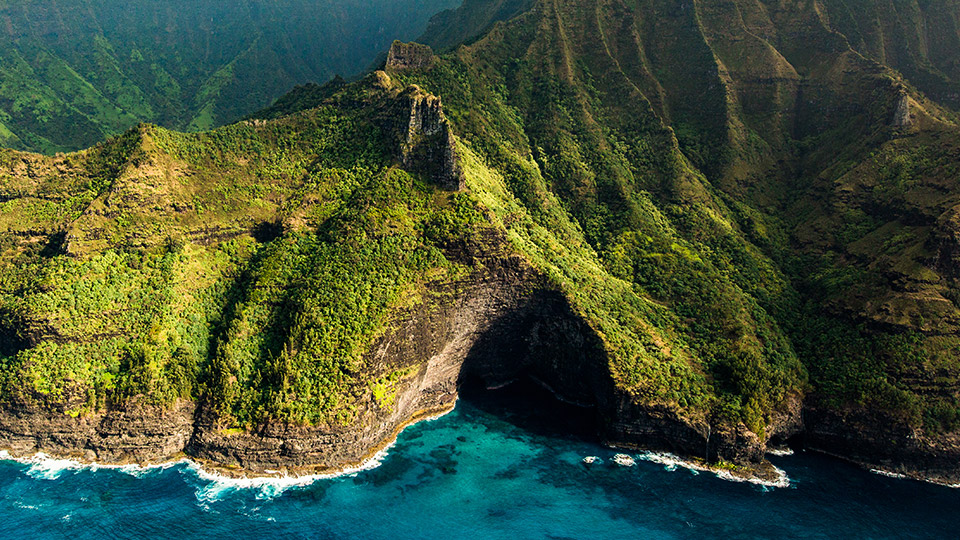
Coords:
pixel 497 467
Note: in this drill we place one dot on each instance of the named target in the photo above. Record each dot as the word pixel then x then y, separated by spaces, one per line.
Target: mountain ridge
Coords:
pixel 726 209
pixel 74 73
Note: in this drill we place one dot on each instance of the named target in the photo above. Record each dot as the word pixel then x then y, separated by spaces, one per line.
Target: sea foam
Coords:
pixel 671 462
pixel 45 467
pixel 214 486
pixel 217 486
pixel 898 476
pixel 889 474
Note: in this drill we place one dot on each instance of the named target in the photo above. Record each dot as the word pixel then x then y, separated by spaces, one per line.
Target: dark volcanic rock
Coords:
pixel 874 441
pixel 404 56
pixel 429 147
pixel 421 135
pixel 139 434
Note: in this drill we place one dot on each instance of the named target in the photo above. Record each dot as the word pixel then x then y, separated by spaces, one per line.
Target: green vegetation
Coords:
pixel 269 318
pixel 73 73
pixel 734 244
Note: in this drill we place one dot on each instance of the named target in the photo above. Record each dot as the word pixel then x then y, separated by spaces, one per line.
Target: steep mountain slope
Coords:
pixel 919 39
pixel 72 73
pixel 695 217
pixel 804 143
pixel 472 19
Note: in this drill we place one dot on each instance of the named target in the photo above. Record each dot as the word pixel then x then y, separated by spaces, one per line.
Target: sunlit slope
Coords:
pixel 811 181
pixel 745 207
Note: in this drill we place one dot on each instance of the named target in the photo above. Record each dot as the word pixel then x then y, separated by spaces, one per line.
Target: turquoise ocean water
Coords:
pixel 494 468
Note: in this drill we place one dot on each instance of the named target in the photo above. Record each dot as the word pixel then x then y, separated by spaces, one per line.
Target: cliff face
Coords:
pixel 134 434
pixel 497 327
pixel 697 219
pixel 428 146
pixel 430 343
pixel 403 56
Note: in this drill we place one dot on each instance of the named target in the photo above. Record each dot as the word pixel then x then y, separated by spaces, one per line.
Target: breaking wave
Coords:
pixel 214 486
pixel 670 462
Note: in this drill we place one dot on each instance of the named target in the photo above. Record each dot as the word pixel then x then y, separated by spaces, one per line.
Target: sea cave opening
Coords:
pixel 529 405
pixel 542 368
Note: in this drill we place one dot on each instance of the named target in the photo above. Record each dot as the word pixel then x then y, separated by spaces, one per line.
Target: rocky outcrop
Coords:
pixel 901 113
pixel 947 243
pixel 417 129
pixel 134 434
pixel 429 147
pixel 404 56
pixel 874 441
pixel 422 136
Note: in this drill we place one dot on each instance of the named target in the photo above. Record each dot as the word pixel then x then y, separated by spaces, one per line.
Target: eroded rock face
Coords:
pixel 421 135
pixel 139 434
pixel 434 339
pixel 874 441
pixel 901 113
pixel 403 56
pixel 947 238
pixel 428 146
pixel 497 326
pixel 425 142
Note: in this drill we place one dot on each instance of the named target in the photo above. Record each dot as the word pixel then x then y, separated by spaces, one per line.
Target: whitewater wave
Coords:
pixel 671 462
pixel 42 466
pixel 889 474
pixel 780 452
pixel 218 486
pixel 214 486
pixel 898 476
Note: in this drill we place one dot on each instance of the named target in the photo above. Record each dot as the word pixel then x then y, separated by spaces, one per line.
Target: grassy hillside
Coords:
pixel 740 198
pixel 766 175
pixel 73 73
pixel 250 264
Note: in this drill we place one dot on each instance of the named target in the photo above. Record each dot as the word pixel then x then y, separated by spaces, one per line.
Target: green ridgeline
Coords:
pixel 722 193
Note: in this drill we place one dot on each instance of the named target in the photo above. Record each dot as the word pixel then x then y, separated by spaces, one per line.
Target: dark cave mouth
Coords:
pixel 529 405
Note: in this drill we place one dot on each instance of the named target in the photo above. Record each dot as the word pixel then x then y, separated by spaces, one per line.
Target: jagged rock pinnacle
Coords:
pixel 403 56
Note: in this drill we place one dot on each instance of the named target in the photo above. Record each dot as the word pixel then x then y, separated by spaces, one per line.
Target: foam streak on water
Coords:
pixel 889 474
pixel 267 487
pixel 45 467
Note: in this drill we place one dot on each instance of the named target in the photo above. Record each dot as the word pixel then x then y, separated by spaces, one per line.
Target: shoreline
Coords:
pixel 228 477
pixel 766 474
pixel 874 469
